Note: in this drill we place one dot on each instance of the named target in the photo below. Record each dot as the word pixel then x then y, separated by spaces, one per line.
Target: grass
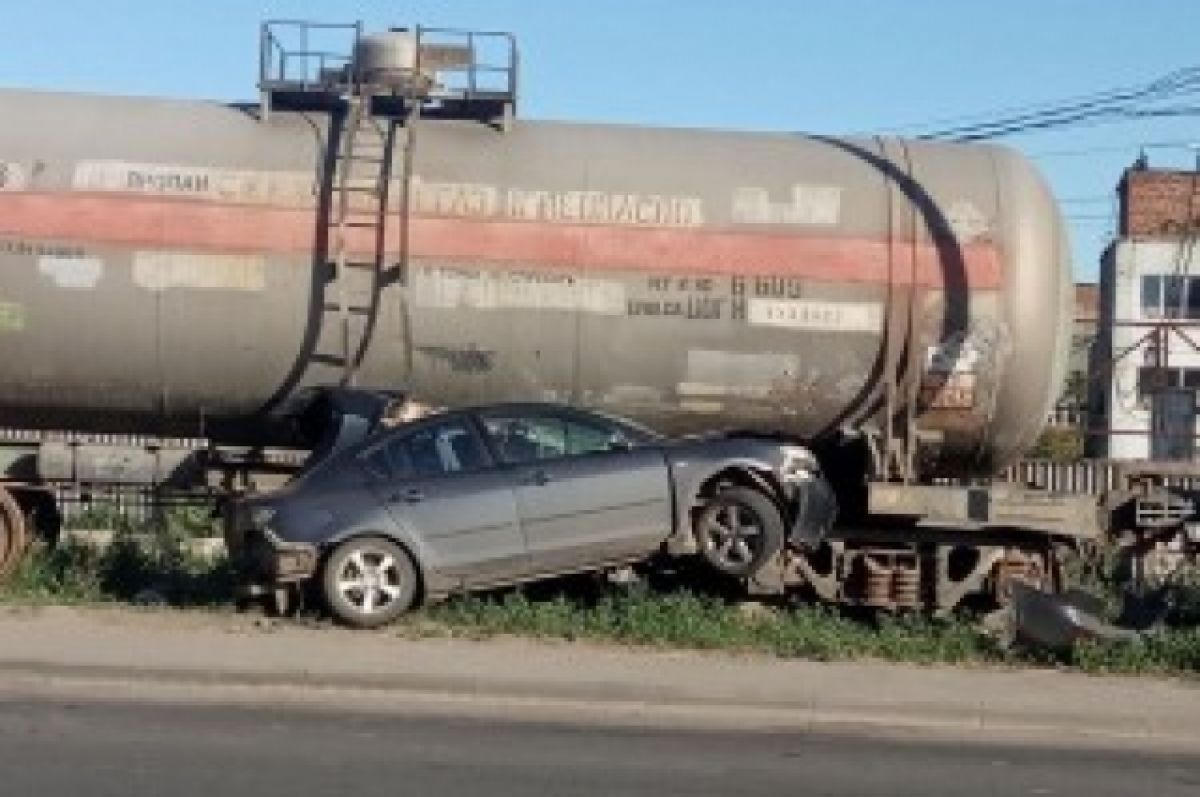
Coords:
pixel 685 619
pixel 155 568
pixel 1175 652
pixel 145 563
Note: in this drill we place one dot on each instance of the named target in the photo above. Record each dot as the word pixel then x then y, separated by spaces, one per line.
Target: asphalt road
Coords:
pixel 51 747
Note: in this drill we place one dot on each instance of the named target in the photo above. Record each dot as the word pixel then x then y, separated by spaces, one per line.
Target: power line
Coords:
pixel 1092 98
pixel 1082 151
pixel 1087 118
pixel 1005 111
pixel 1136 102
pixel 1075 123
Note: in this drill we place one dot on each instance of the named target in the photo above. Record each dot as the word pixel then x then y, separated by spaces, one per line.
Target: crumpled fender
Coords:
pixel 815 510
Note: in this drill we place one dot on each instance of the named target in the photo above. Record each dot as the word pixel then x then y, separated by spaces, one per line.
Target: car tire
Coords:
pixel 738 530
pixel 368 582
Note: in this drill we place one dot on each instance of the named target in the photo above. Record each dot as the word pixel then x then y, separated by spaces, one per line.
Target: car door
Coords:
pixel 442 486
pixel 586 493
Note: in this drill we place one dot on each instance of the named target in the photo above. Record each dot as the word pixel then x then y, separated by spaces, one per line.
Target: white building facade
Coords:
pixel 1149 339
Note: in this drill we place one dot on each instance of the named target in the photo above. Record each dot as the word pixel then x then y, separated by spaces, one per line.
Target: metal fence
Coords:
pixel 1096 476
pixel 1091 477
pixel 102 508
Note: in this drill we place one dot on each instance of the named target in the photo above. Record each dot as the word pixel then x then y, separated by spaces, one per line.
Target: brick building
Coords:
pixel 1159 203
pixel 1149 332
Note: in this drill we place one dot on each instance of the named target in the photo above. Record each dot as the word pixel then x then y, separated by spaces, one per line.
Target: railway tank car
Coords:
pixel 165 269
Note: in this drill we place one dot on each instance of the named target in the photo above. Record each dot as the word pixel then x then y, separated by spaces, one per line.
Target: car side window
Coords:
pixel 388 461
pixel 443 448
pixel 589 438
pixel 521 438
pixel 526 438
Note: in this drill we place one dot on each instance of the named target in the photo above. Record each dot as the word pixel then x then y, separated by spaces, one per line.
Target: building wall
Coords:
pixel 1143 281
pixel 1159 202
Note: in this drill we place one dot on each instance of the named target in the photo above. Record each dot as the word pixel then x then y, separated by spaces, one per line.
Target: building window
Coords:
pixel 1174 289
pixel 1152 380
pixel 1152 296
pixel 1193 299
pixel 1170 296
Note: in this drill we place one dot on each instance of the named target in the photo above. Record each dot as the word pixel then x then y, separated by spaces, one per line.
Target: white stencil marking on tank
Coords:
pixel 79 273
pixel 285 189
pixel 714 374
pixel 816 315
pixel 449 288
pixel 12 177
pixel 817 205
pixel 968 222
pixel 160 271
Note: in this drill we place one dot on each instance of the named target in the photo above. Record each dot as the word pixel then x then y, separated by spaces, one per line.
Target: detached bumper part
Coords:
pixel 815 511
pixel 1058 622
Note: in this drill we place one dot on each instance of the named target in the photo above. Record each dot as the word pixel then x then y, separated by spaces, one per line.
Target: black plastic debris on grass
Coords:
pixel 1060 622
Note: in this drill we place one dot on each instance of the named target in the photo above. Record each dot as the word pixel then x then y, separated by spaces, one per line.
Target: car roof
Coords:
pixel 518 405
pixel 557 406
pixel 525 406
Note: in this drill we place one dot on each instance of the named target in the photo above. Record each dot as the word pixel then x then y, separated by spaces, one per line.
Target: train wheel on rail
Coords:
pixel 13 538
pixel 738 530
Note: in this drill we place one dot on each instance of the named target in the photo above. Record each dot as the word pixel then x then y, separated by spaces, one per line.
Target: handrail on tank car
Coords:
pixel 274 54
pixel 474 68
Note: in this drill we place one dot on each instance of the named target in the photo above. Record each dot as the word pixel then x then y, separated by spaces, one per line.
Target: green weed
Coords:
pixel 134 569
pixel 690 620
pixel 155 567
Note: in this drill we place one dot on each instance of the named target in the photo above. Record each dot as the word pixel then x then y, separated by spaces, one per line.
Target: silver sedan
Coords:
pixel 478 498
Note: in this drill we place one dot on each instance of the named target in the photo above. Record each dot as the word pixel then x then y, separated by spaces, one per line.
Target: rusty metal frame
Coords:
pixel 1158 336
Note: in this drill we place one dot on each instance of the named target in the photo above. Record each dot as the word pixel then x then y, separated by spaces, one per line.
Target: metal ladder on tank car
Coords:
pixel 359 210
pixel 453 77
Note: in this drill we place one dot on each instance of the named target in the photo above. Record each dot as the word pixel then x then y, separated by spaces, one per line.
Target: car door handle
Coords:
pixel 409 496
pixel 538 478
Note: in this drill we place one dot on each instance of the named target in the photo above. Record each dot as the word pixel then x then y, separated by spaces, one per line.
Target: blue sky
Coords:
pixel 819 66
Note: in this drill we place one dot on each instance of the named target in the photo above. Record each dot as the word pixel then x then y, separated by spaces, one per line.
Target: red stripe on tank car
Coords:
pixel 161 223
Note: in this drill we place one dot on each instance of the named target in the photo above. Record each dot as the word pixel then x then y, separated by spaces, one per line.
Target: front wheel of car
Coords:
pixel 368 582
pixel 738 530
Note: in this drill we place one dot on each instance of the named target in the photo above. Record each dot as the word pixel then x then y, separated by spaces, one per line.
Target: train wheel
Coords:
pixel 13 537
pixel 738 530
